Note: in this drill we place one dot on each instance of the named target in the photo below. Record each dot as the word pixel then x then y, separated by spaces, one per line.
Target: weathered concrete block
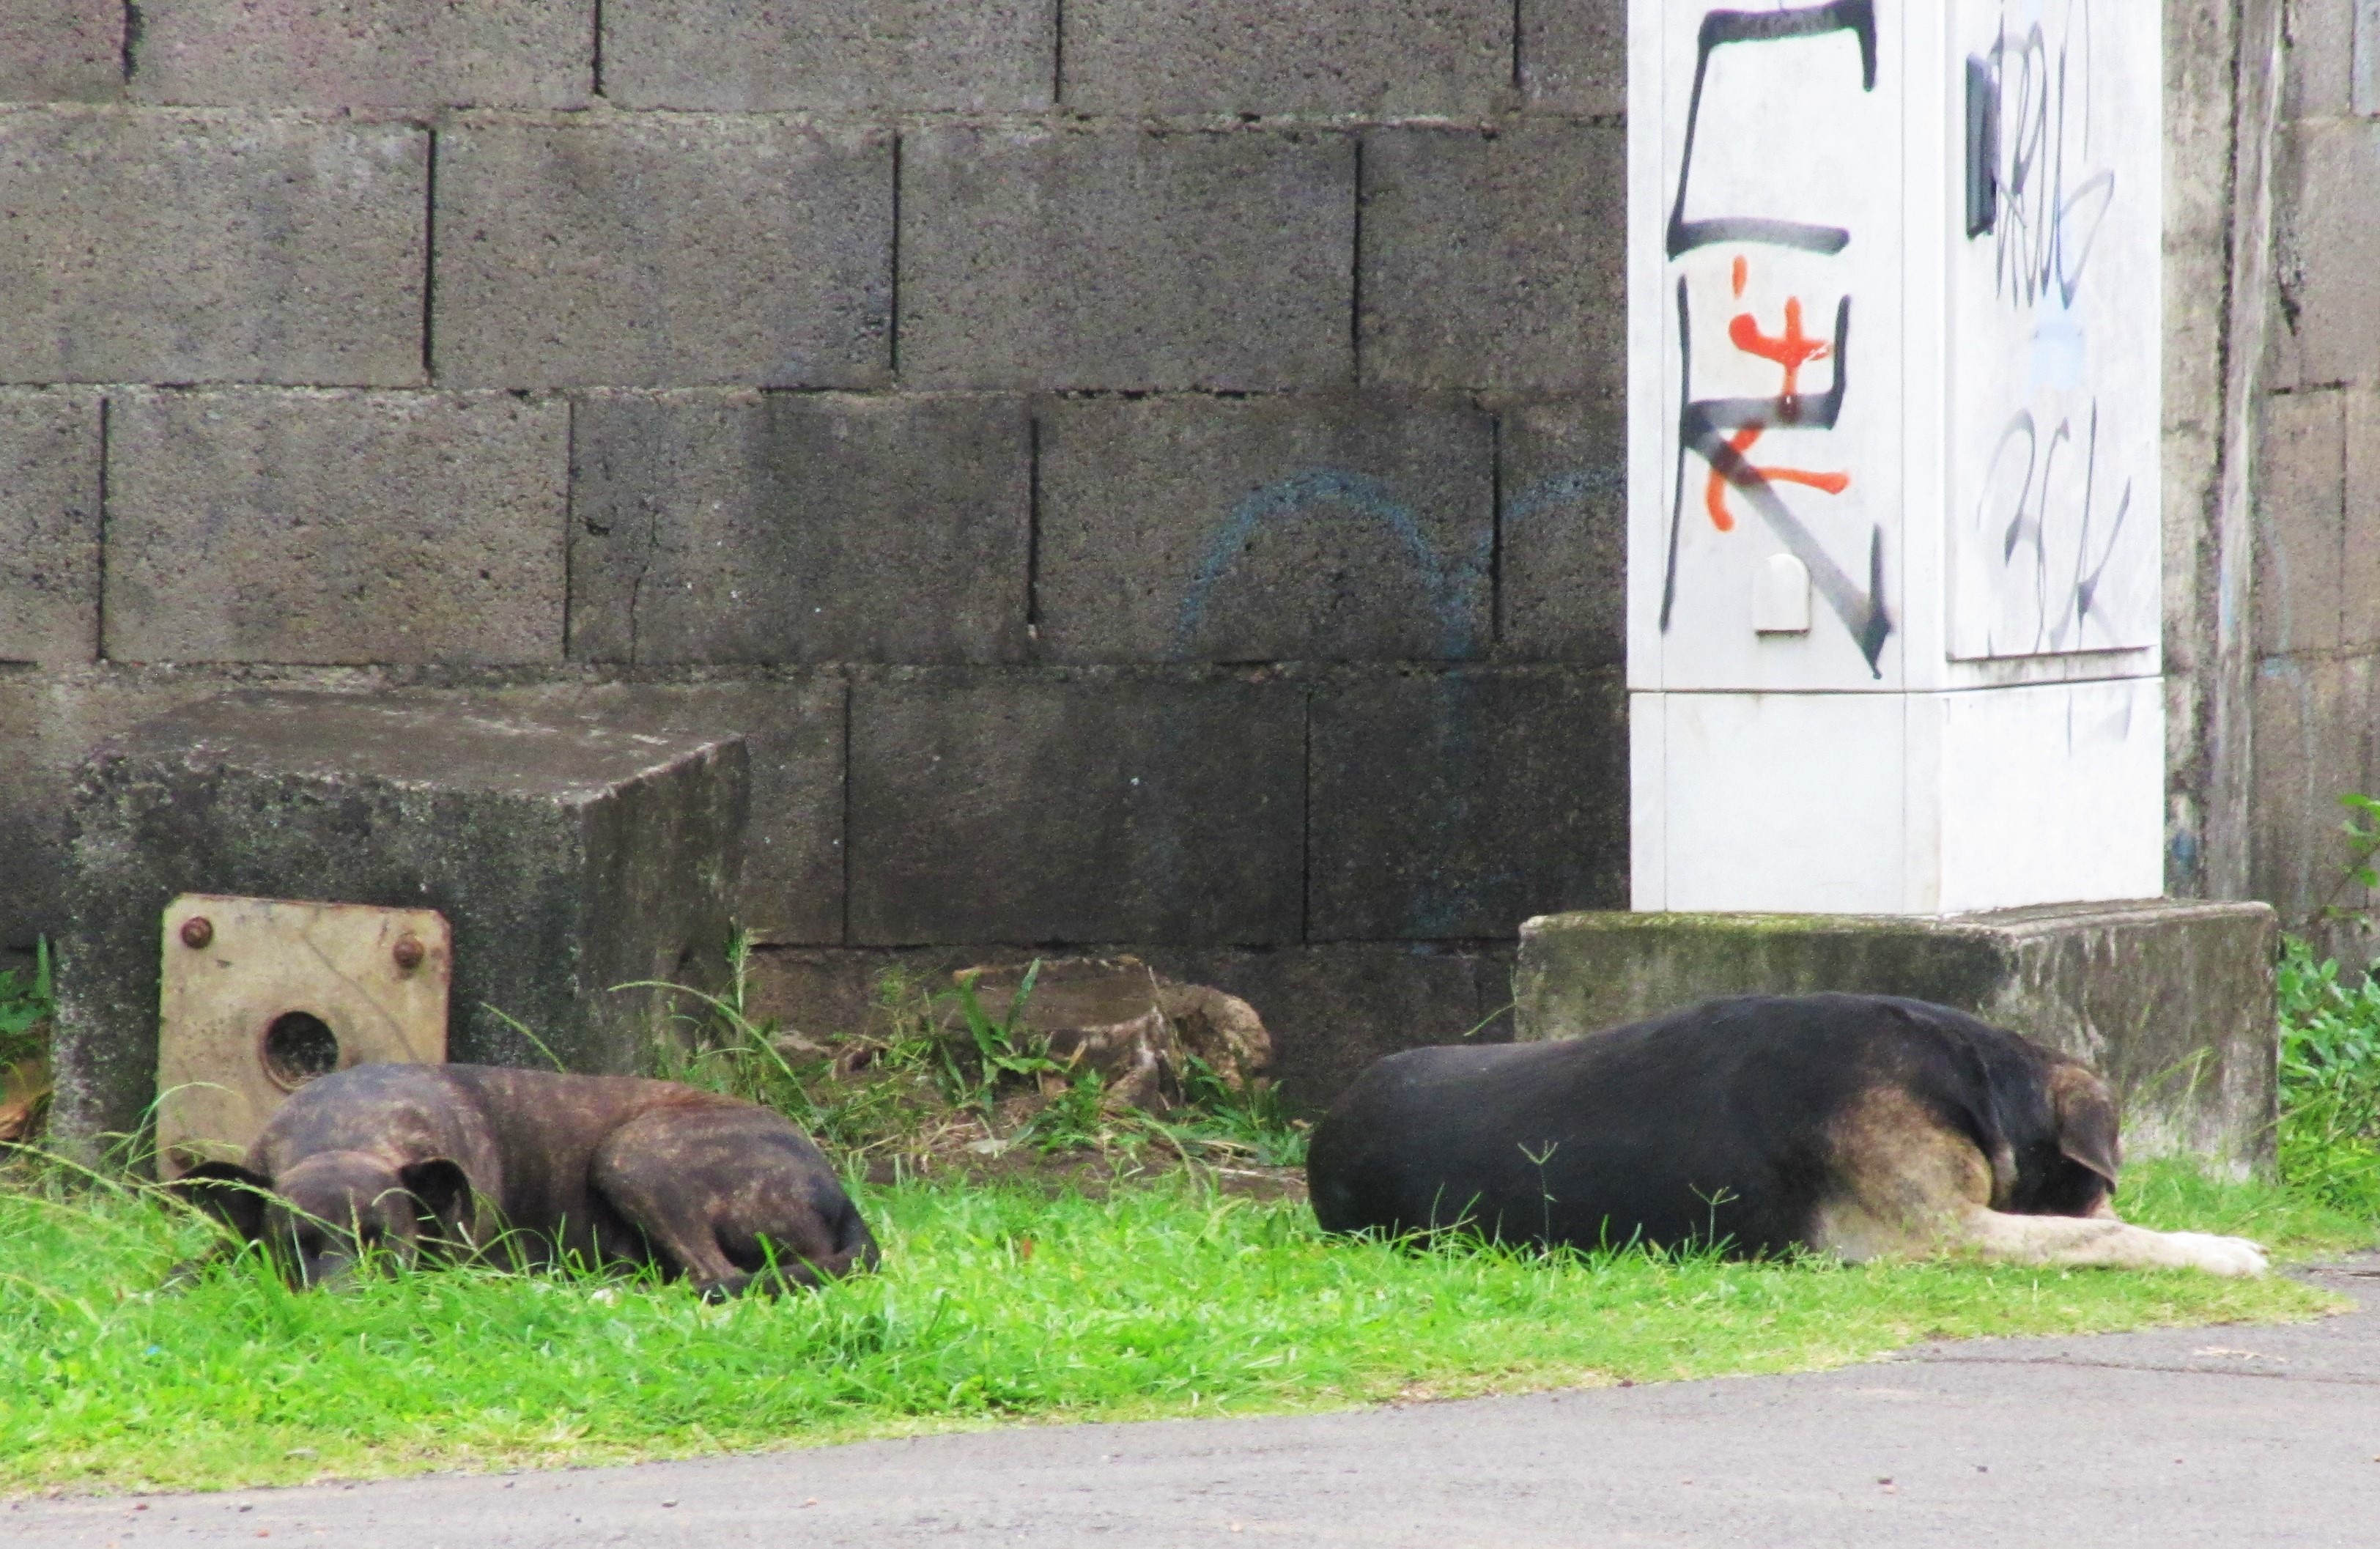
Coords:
pixel 1056 259
pixel 1400 57
pixel 366 54
pixel 185 247
pixel 61 51
pixel 2320 60
pixel 841 56
pixel 1450 806
pixel 1285 528
pixel 249 525
pixel 49 718
pixel 2312 721
pixel 2326 254
pixel 1574 55
pixel 1494 260
pixel 49 527
pixel 662 251
pixel 1332 1011
pixel 569 856
pixel 1562 569
pixel 2301 522
pixel 2171 1001
pixel 791 888
pixel 2359 566
pixel 1079 810
pixel 797 527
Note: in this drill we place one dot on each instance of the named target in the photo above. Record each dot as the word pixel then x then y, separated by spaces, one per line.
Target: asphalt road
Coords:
pixel 2225 1435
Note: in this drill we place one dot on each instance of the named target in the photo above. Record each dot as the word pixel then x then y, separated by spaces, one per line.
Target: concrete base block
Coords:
pixel 2172 1000
pixel 568 853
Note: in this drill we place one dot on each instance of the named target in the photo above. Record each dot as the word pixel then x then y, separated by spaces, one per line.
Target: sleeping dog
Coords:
pixel 1856 1124
pixel 443 1159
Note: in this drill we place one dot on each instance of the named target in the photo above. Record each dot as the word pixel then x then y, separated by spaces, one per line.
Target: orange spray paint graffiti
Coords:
pixel 1791 350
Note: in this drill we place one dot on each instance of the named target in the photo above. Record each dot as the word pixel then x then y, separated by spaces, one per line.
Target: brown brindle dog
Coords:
pixel 458 1159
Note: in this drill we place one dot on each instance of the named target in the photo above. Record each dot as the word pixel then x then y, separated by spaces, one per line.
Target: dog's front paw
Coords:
pixel 2233 1257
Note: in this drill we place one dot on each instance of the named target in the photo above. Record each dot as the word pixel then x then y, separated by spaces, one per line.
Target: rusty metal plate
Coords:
pixel 260 996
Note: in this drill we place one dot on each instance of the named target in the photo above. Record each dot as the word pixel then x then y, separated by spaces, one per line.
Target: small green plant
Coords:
pixel 1252 1121
pixel 2329 1138
pixel 1004 1050
pixel 26 1007
pixel 2362 827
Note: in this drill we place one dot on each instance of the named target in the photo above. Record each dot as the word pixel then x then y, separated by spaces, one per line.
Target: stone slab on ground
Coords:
pixel 569 853
pixel 2171 999
pixel 2171 1438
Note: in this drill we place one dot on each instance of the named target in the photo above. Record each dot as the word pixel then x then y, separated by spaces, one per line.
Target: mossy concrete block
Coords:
pixel 2171 999
pixel 570 852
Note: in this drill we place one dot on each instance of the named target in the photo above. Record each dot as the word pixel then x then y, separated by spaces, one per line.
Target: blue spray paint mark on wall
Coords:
pixel 1575 488
pixel 1311 493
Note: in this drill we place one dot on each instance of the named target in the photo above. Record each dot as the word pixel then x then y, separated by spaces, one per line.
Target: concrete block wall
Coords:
pixel 1143 472
pixel 2316 616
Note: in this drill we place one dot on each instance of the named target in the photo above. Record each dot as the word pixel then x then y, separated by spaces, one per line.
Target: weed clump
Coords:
pixel 2329 1138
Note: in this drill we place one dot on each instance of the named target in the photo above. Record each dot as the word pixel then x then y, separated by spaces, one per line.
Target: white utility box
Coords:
pixel 1894 356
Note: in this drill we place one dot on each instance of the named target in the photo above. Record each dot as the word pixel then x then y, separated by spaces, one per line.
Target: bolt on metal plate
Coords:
pixel 260 996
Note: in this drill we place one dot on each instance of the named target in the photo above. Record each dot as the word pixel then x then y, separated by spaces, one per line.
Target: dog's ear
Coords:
pixel 2087 1127
pixel 444 1190
pixel 227 1191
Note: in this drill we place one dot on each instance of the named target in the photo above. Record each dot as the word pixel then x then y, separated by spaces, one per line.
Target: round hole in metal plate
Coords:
pixel 297 1048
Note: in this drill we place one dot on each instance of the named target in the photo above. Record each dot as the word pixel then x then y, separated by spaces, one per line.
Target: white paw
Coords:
pixel 2235 1257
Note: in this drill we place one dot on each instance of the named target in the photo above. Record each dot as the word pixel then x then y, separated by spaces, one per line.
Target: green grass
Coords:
pixel 994 1306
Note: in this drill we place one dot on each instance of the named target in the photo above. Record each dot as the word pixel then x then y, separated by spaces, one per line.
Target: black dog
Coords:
pixel 1863 1125
pixel 604 1169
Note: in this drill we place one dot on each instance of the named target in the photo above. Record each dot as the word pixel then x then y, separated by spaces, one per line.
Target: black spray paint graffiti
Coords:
pixel 2061 593
pixel 2044 229
pixel 1703 425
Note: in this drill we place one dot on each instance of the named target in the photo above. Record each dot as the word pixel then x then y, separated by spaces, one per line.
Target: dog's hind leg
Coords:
pixel 722 1200
pixel 639 1170
pixel 1911 1186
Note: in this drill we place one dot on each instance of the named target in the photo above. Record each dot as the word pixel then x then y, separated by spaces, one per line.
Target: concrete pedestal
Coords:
pixel 568 854
pixel 2171 1001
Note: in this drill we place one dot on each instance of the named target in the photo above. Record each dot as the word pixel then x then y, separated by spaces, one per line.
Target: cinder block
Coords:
pixel 1083 809
pixel 49 526
pixel 2301 521
pixel 1574 55
pixel 186 248
pixel 664 250
pixel 2312 727
pixel 569 857
pixel 760 528
pixel 61 51
pixel 2171 999
pixel 832 56
pixel 1058 258
pixel 1335 1009
pixel 1493 260
pixel 2326 254
pixel 1400 57
pixel 791 889
pixel 1452 806
pixel 1267 529
pixel 249 525
pixel 369 55
pixel 1563 532
pixel 2320 59
pixel 2359 566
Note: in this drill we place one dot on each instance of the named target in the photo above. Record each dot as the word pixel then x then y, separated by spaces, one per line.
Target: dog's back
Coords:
pixel 1714 1124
